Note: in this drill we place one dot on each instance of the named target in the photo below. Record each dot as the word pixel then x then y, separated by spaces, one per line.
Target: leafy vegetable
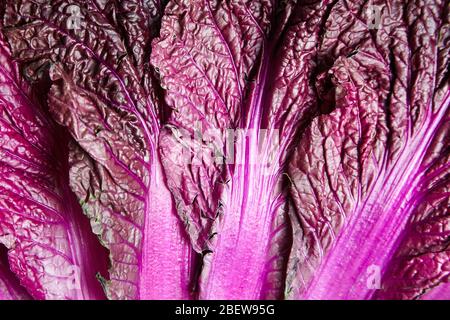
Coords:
pixel 228 149
pixel 51 249
pixel 105 98
pixel 370 179
pixel 10 288
pixel 214 62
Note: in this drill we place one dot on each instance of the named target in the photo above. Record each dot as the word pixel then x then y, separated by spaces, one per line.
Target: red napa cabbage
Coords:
pixel 102 92
pixel 10 288
pixel 369 107
pixel 370 178
pixel 51 247
pixel 246 149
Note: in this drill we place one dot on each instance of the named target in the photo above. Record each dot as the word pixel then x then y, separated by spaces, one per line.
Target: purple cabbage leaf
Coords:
pixel 96 53
pixel 235 72
pixel 10 288
pixel 370 177
pixel 246 149
pixel 51 247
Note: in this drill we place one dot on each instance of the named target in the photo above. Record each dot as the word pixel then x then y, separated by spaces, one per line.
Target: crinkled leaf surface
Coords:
pixel 102 92
pixel 421 265
pixel 10 288
pixel 344 102
pixel 370 177
pixel 244 67
pixel 51 248
pixel 204 53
